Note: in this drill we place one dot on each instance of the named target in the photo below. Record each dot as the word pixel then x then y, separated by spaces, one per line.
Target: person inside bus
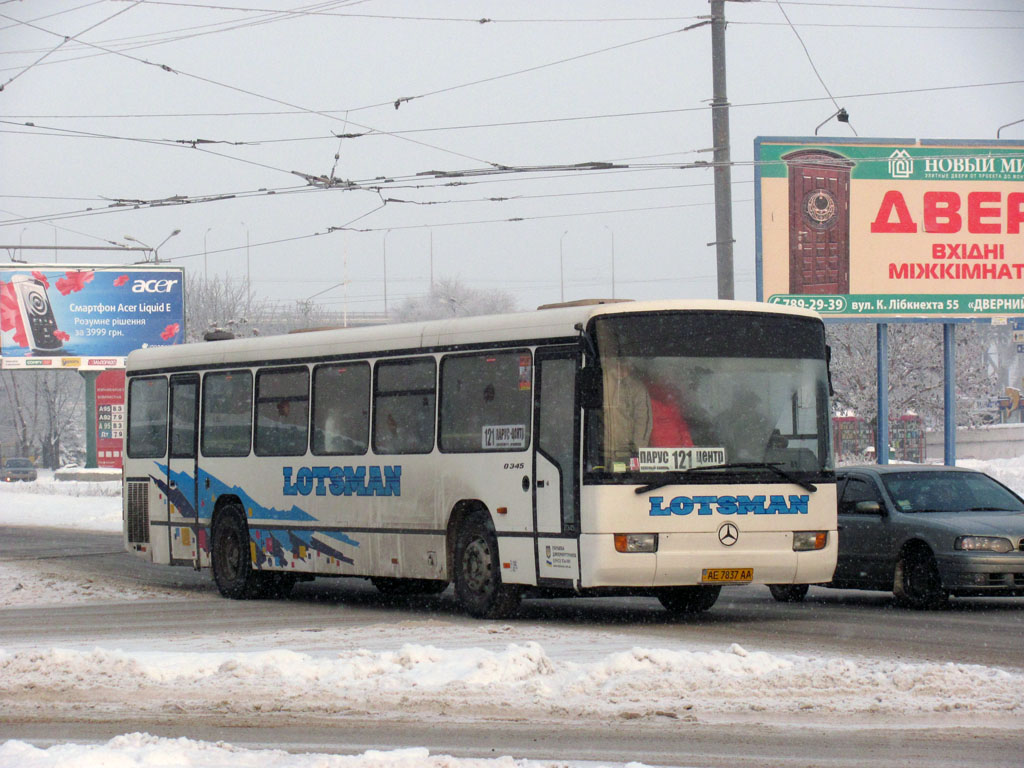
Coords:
pixel 641 411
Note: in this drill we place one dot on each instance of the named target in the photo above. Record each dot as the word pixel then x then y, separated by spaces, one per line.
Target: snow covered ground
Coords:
pixel 421 668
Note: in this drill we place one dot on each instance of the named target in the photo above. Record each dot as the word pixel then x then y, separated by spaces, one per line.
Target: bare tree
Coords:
pixel 220 303
pixel 916 377
pixel 450 298
pixel 44 414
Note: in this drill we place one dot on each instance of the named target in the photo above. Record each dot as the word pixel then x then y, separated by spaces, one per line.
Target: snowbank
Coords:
pixel 422 680
pixel 141 749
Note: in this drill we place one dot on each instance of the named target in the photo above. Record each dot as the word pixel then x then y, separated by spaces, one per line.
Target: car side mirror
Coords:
pixel 868 508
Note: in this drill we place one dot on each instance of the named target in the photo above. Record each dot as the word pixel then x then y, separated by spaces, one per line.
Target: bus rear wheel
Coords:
pixel 229 551
pixel 688 599
pixel 478 586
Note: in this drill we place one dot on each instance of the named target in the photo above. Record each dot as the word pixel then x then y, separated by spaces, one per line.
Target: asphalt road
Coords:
pixel 974 631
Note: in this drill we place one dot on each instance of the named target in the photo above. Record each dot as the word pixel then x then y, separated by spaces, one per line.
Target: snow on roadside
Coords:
pixel 141 749
pixel 62 504
pixel 421 680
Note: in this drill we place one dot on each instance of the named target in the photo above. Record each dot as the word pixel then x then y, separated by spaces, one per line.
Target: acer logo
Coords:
pixel 153 286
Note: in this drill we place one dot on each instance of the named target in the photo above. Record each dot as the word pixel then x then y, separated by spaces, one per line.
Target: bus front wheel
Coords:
pixel 231 562
pixel 688 599
pixel 478 586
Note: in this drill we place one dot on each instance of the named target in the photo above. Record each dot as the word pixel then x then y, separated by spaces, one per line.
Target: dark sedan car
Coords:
pixel 925 533
pixel 18 469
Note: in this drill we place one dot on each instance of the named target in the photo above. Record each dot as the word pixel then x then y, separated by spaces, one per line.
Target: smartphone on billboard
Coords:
pixel 36 315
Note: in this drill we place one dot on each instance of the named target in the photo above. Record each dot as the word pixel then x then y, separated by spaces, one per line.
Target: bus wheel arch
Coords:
pixel 476 567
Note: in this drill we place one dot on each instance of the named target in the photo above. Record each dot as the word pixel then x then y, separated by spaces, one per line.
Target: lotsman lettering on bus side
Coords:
pixel 343 481
pixel 729 505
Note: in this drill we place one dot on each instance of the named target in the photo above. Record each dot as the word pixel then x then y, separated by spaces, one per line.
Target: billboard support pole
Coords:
pixel 90 417
pixel 882 427
pixel 949 393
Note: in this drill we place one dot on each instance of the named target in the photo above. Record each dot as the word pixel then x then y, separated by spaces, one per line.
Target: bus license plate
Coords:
pixel 726 575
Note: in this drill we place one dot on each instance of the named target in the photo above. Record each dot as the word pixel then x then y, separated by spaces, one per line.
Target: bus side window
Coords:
pixel 282 411
pixel 147 418
pixel 227 413
pixel 486 401
pixel 403 406
pixel 341 409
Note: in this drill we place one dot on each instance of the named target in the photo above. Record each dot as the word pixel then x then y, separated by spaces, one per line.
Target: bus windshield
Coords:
pixel 684 391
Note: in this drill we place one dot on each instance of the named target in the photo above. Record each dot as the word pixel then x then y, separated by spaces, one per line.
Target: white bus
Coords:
pixel 660 448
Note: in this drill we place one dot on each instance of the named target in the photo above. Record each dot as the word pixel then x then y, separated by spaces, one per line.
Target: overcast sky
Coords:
pixel 541 83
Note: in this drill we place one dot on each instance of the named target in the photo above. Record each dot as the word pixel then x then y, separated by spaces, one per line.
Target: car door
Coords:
pixel 865 535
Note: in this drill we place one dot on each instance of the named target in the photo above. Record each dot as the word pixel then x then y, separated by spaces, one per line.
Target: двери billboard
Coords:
pixel 880 228
pixel 81 314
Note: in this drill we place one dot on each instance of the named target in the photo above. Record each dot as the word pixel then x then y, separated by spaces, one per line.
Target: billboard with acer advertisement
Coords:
pixel 891 228
pixel 86 317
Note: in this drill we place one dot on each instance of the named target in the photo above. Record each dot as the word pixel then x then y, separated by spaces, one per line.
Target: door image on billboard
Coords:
pixel 819 221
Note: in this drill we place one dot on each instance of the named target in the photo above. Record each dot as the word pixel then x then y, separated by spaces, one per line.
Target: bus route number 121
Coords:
pixel 679 459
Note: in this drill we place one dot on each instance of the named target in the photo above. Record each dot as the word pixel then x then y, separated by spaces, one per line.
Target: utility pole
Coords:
pixel 720 137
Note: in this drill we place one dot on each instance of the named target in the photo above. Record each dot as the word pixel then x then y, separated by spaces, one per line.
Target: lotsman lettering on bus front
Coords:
pixel 343 481
pixel 730 505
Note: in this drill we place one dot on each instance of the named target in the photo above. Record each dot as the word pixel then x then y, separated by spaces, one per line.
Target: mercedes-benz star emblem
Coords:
pixel 728 534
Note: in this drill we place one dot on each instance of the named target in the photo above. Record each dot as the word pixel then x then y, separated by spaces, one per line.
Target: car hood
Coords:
pixel 986 523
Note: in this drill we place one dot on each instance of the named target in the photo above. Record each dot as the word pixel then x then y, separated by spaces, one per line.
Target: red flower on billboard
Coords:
pixel 170 331
pixel 10 317
pixel 73 282
pixel 62 336
pixel 41 278
pixel 121 280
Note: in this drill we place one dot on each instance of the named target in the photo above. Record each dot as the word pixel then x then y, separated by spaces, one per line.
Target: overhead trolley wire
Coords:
pixel 66 39
pixel 247 92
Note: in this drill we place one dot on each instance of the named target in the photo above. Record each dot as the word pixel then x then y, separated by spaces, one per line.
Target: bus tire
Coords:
pixel 387 585
pixel 478 586
pixel 916 582
pixel 789 593
pixel 693 599
pixel 231 562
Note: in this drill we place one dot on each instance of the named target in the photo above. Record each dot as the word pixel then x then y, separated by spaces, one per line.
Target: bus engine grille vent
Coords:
pixel 137 508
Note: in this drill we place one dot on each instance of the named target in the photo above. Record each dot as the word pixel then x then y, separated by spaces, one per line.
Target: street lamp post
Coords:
pixel 561 266
pixel 386 233
pixel 156 251
pixel 612 233
pixel 206 264
pixel 248 282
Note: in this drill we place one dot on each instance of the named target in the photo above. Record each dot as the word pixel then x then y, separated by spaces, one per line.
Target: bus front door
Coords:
pixel 556 466
pixel 182 515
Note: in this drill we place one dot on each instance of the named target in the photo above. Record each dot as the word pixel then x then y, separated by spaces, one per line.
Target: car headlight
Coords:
pixel 983 544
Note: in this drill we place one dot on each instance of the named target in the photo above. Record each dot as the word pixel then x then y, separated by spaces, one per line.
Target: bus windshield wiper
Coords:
pixel 773 467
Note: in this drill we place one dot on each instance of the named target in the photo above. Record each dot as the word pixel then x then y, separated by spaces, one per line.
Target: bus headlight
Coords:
pixel 805 541
pixel 983 544
pixel 636 542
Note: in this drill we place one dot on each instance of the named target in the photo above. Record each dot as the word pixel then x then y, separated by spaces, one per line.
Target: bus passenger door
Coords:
pixel 556 463
pixel 182 515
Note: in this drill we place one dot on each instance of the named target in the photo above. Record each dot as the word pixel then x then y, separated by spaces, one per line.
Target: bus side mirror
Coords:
pixel 590 387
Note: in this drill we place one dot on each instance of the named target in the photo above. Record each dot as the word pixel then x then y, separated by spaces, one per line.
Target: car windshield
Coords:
pixel 19 463
pixel 686 391
pixel 948 492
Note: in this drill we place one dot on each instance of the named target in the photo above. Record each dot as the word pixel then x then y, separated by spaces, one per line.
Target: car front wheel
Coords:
pixel 917 583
